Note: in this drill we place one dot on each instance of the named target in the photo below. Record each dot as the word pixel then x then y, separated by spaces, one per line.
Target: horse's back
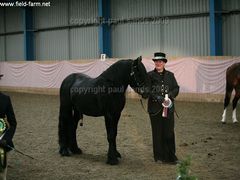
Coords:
pixel 233 74
pixel 71 79
pixel 234 67
pixel 68 82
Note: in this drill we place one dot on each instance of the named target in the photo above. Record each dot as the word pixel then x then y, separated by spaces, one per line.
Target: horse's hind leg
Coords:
pixel 228 93
pixel 72 132
pixel 234 104
pixel 65 115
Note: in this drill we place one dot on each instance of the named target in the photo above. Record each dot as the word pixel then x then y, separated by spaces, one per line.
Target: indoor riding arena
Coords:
pixel 43 42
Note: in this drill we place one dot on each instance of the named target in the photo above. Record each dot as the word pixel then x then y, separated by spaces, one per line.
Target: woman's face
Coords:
pixel 159 65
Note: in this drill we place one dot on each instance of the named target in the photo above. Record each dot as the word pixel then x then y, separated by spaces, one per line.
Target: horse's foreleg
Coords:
pixel 224 116
pixel 234 104
pixel 111 123
pixel 226 102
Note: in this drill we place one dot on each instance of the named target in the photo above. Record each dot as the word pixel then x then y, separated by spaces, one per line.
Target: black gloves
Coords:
pixel 145 95
pixel 160 99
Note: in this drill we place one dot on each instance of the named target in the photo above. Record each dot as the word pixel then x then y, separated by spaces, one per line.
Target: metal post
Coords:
pixel 4 31
pixel 215 27
pixel 28 34
pixel 104 31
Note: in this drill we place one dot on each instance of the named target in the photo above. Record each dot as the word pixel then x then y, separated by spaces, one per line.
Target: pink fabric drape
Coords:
pixel 193 75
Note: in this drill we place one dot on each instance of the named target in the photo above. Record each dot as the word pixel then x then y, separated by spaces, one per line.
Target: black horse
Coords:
pixel 232 82
pixel 101 96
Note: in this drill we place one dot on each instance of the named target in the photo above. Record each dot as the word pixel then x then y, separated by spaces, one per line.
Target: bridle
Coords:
pixel 133 75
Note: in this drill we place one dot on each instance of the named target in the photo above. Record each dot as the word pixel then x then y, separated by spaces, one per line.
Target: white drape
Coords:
pixel 193 75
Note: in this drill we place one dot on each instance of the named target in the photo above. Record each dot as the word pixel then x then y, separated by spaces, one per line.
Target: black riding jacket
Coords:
pixel 161 84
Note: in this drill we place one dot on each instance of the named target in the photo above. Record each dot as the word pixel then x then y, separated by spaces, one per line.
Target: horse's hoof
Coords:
pixel 235 122
pixel 223 122
pixel 118 154
pixel 112 161
pixel 76 150
pixel 64 152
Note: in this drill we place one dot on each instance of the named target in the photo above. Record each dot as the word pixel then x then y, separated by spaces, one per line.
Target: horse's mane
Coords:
pixel 118 72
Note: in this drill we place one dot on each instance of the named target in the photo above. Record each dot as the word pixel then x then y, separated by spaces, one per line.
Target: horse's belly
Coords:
pixel 94 114
pixel 88 105
pixel 90 111
pixel 98 104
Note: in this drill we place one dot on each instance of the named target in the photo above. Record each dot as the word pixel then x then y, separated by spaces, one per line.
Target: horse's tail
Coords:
pixel 66 110
pixel 66 85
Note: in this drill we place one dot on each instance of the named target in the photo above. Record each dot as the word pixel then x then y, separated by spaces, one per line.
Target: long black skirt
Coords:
pixel 163 137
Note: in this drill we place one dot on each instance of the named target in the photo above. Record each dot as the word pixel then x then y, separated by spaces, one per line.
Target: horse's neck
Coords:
pixel 119 73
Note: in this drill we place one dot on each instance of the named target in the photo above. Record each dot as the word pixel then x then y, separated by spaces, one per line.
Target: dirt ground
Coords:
pixel 215 148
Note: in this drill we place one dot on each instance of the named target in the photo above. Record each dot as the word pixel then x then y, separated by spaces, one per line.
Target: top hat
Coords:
pixel 159 56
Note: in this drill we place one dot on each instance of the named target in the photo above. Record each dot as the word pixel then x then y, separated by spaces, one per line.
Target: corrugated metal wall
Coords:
pixel 14 47
pixel 184 6
pixel 2 49
pixel 70 43
pixel 82 11
pixel 83 40
pixel 54 16
pixel 14 19
pixel 231 29
pixel 54 45
pixel 230 4
pixel 51 45
pixel 186 37
pixel 231 36
pixel 177 37
pixel 14 43
pixel 84 43
pixel 144 8
pixel 1 20
pixel 2 38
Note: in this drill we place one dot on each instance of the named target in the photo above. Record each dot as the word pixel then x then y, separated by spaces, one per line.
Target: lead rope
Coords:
pixel 19 152
pixel 151 114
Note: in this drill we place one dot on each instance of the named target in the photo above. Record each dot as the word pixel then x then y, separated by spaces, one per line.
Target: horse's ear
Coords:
pixel 139 59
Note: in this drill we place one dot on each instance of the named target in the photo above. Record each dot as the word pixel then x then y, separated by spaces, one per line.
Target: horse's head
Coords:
pixel 138 76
